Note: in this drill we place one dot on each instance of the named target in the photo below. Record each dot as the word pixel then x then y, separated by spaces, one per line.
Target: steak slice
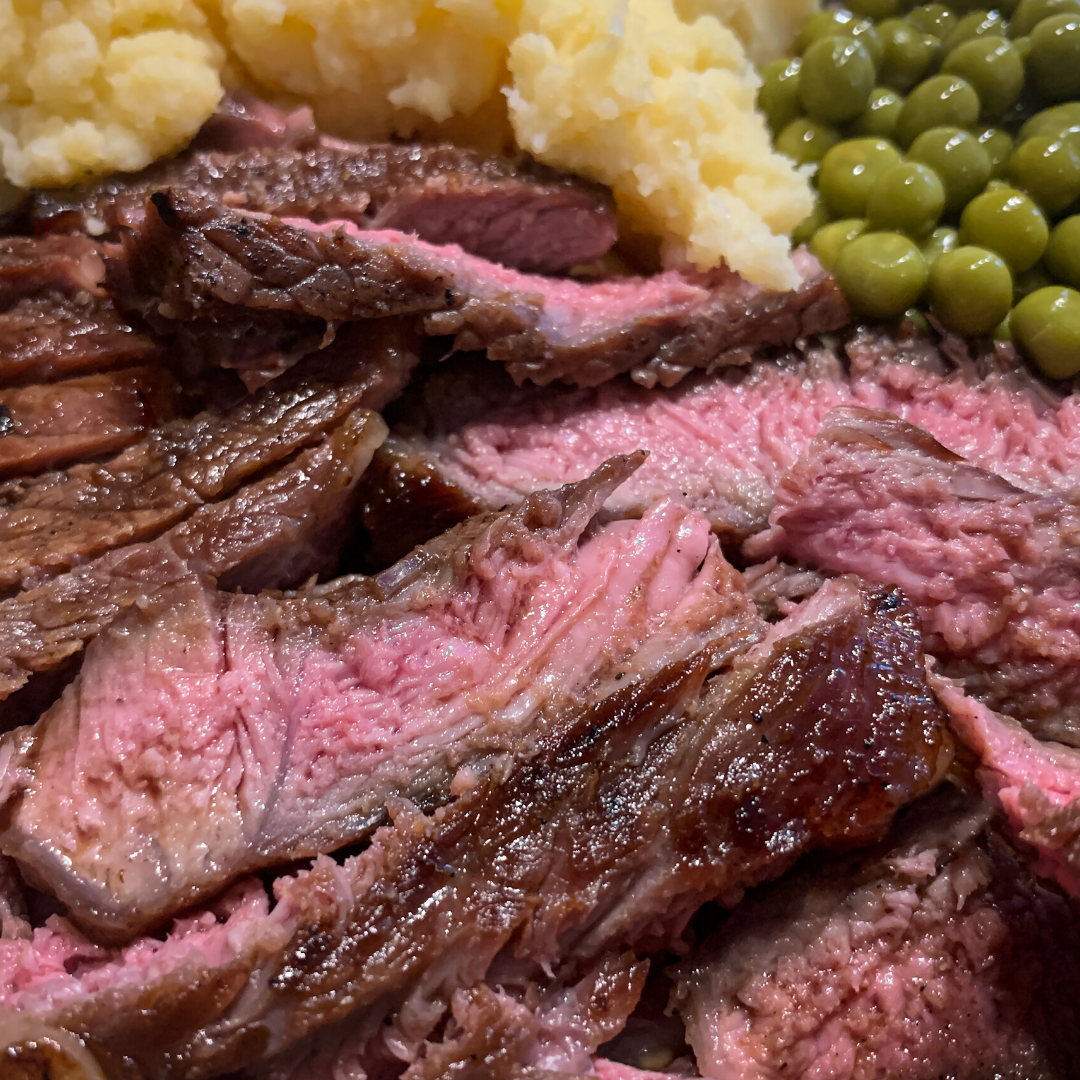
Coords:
pixel 519 214
pixel 1036 784
pixel 993 569
pixel 53 336
pixel 244 122
pixel 198 267
pixel 53 523
pixel 282 725
pixel 606 834
pixel 275 531
pixel 938 955
pixel 48 425
pixel 30 265
pixel 467 439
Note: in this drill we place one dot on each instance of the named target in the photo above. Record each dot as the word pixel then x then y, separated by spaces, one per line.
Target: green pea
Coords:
pixel 1009 223
pixel 942 239
pixel 1059 122
pixel 970 290
pixel 778 97
pixel 993 67
pixel 933 19
pixel 805 141
pixel 943 100
pixel 880 274
pixel 998 145
pixel 1048 170
pixel 839 23
pixel 1022 45
pixel 1026 283
pixel 1054 63
pixel 880 115
pixel 849 170
pixel 1062 256
pixel 836 79
pixel 816 219
pixel 917 320
pixel 829 239
pixel 958 158
pixel 1002 331
pixel 1029 13
pixel 908 54
pixel 1046 326
pixel 875 9
pixel 908 198
pixel 976 24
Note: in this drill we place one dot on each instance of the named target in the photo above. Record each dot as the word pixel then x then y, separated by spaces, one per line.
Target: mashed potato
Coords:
pixel 91 86
pixel 654 99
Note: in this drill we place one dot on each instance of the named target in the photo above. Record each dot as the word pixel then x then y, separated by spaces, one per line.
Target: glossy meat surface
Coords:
pixel 608 834
pixel 281 726
pixel 939 954
pixel 209 270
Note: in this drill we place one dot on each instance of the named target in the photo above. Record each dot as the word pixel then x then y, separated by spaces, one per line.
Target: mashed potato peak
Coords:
pixel 654 97
pixel 91 86
pixel 625 92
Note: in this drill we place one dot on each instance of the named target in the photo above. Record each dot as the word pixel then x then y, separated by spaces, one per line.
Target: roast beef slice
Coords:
pixel 994 569
pixel 515 213
pixel 938 955
pixel 193 267
pixel 605 834
pixel 282 725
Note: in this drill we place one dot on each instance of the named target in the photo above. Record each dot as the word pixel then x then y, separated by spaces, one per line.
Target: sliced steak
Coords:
pixel 519 214
pixel 605 835
pixel 1037 784
pixel 30 265
pixel 244 122
pixel 284 725
pixel 993 569
pixel 939 955
pixel 467 438
pixel 53 336
pixel 44 426
pixel 274 532
pixel 193 266
pixel 55 522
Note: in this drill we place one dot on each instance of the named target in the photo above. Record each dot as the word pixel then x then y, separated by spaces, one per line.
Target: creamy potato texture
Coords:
pixel 654 97
pixel 91 86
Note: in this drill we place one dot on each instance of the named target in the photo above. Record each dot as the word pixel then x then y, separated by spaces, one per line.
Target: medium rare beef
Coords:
pixel 281 726
pixel 1036 784
pixel 605 834
pixel 519 214
pixel 53 336
pixel 938 955
pixel 81 419
pixel 30 265
pixel 275 531
pixel 55 522
pixel 244 122
pixel 993 569
pixel 193 266
pixel 466 438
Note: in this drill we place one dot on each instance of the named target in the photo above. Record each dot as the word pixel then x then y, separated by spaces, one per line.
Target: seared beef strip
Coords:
pixel 244 122
pixel 53 336
pixel 275 531
pixel 282 725
pixel 66 264
pixel 81 419
pixel 518 214
pixel 1036 784
pixel 938 955
pixel 606 834
pixel 58 521
pixel 993 569
pixel 192 266
pixel 467 439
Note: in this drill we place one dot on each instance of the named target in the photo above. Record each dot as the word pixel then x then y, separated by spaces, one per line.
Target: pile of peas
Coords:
pixel 944 144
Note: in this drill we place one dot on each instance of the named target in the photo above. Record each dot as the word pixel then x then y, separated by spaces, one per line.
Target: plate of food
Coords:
pixel 539 539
